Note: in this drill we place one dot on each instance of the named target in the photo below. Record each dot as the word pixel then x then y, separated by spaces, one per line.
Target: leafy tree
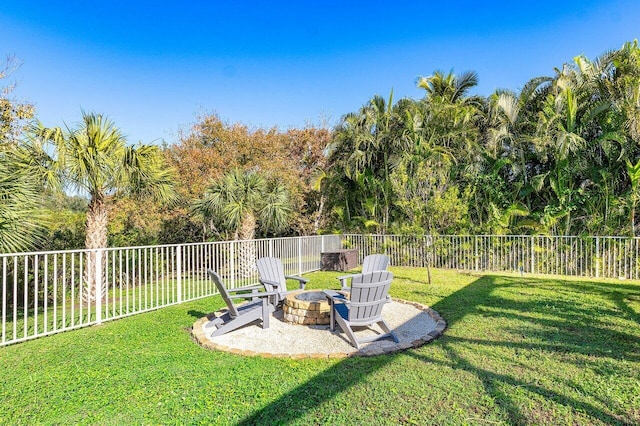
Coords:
pixel 134 221
pixel 66 217
pixel 14 115
pixel 213 148
pixel 66 230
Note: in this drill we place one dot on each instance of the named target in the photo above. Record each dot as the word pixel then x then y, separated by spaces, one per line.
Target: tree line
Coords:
pixel 559 156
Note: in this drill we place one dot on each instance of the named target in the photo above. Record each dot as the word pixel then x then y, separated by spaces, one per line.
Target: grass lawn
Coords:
pixel 518 350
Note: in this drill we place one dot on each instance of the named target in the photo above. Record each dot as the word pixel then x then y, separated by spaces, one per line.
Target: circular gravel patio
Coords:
pixel 413 323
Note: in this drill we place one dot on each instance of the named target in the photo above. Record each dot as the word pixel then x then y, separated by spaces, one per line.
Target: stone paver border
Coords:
pixel 441 325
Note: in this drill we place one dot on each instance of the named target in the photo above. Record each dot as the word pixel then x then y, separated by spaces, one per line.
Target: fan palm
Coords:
pixel 242 201
pixel 19 195
pixel 94 159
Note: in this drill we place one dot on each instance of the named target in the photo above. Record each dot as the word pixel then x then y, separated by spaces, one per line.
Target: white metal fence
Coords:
pixel 49 292
pixel 600 257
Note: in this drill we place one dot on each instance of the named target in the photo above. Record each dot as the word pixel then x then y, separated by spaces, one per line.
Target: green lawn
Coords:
pixel 518 350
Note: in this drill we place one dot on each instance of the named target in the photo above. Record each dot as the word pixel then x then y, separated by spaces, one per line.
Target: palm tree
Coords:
pixel 94 159
pixel 14 116
pixel 569 131
pixel 20 190
pixel 243 201
pixel 365 148
pixel 451 117
pixel 19 185
pixel 450 88
pixel 511 131
pixel 623 86
pixel 633 170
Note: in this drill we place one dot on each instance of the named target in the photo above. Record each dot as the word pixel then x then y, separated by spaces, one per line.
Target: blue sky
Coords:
pixel 153 66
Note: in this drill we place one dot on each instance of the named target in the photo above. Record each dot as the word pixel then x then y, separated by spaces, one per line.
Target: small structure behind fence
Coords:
pixel 49 292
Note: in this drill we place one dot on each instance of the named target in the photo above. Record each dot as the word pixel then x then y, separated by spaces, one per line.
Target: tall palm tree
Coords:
pixel 618 75
pixel 366 146
pixel 511 131
pixel 450 87
pixel 244 201
pixel 452 116
pixel 569 133
pixel 95 159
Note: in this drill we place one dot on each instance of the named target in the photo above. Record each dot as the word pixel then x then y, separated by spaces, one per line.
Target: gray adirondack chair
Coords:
pixel 259 308
pixel 373 262
pixel 364 307
pixel 271 272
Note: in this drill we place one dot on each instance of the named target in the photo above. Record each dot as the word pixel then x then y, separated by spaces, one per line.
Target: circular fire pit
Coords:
pixel 306 307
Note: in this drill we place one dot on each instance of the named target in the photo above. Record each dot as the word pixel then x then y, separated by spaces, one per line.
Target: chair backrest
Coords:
pixel 368 295
pixel 375 262
pixel 271 268
pixel 233 311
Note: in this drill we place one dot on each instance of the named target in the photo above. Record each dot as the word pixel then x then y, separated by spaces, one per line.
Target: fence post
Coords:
pixel 597 257
pixel 475 241
pixel 533 254
pixel 232 265
pixel 179 272
pixel 98 289
pixel 299 255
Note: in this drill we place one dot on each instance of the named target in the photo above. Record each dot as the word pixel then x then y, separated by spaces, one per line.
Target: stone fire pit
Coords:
pixel 308 307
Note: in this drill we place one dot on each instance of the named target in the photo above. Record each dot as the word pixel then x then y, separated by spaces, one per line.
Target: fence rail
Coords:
pixel 49 292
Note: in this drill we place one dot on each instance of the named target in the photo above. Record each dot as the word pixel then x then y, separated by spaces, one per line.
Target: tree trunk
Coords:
pixel 633 217
pixel 429 257
pixel 247 247
pixel 96 238
pixel 316 222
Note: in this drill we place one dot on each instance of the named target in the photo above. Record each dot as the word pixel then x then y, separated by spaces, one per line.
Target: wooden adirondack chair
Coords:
pixel 364 308
pixel 271 272
pixel 373 262
pixel 237 316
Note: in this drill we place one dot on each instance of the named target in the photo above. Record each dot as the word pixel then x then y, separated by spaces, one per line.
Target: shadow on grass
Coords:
pixel 330 383
pixel 529 320
pixel 197 314
pixel 554 325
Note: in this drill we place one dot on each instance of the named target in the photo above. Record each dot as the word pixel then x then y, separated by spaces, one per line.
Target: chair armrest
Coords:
pixel 343 280
pixel 335 296
pixel 269 282
pixel 295 277
pixel 245 288
pixel 261 294
pixel 346 277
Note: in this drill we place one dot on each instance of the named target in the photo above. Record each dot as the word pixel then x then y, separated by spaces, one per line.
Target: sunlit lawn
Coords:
pixel 518 350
